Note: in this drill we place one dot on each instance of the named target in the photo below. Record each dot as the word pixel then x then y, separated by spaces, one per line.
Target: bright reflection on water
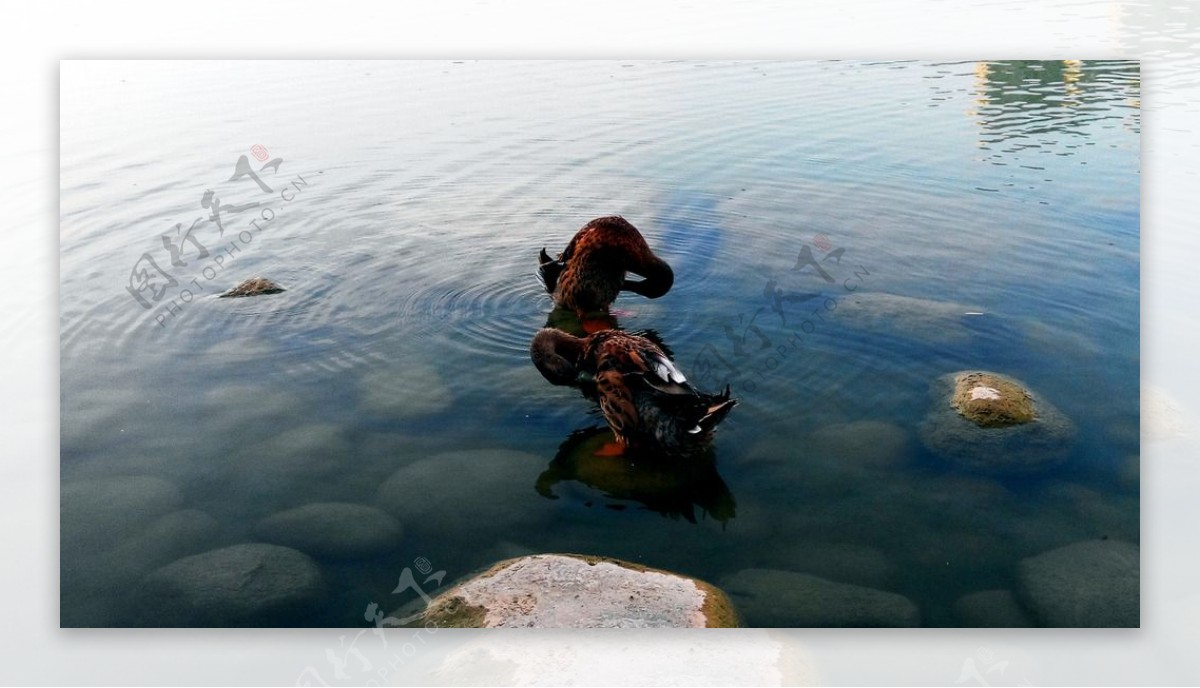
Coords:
pixel 404 218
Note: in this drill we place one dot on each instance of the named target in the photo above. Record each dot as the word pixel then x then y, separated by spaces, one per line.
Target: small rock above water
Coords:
pixel 255 286
pixel 992 423
pixel 575 591
pixel 242 585
pixel 332 530
pixel 1093 584
pixel 773 598
pixel 991 401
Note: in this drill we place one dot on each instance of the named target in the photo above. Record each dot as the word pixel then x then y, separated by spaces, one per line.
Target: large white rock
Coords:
pixel 332 529
pixel 770 597
pixel 574 591
pixel 1095 583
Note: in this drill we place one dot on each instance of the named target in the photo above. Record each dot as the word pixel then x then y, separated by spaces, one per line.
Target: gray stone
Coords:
pixel 96 515
pixel 332 530
pixel 864 443
pixel 991 609
pixel 404 389
pixel 308 451
pixel 924 319
pixel 175 535
pixel 243 585
pixel 842 562
pixel 465 491
pixel 1013 450
pixel 774 598
pixel 574 591
pixel 1086 584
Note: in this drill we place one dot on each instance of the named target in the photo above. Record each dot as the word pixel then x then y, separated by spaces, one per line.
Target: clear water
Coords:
pixel 407 212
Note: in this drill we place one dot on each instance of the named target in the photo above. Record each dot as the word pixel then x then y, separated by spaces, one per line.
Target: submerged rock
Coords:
pixel 404 389
pixel 242 585
pixel 575 591
pixel 991 609
pixel 992 423
pixel 96 515
pixel 841 562
pixel 862 444
pixel 769 597
pixel 925 319
pixel 332 530
pixel 465 492
pixel 255 286
pixel 1086 584
pixel 175 535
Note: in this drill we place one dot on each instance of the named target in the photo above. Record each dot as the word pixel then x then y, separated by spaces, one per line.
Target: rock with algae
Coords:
pixel 255 286
pixel 578 591
pixel 995 424
pixel 991 401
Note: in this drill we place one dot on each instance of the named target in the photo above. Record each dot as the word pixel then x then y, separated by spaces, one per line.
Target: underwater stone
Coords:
pixel 1093 584
pixel 471 491
pixel 255 286
pixel 991 609
pixel 243 585
pixel 96 515
pixel 333 530
pixel 783 599
pixel 864 443
pixel 995 424
pixel 404 389
pixel 576 591
pixel 841 562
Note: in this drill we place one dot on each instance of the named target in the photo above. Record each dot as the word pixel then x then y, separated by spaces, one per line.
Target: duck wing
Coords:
pixel 639 358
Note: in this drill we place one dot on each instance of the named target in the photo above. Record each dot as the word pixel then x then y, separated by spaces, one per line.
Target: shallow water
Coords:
pixel 404 216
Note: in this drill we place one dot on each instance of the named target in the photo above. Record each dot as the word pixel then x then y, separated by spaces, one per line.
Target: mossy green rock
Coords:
pixel 577 591
pixel 255 286
pixel 991 401
pixel 995 424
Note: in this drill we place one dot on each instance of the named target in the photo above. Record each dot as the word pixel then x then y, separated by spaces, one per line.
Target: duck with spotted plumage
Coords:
pixel 594 267
pixel 646 400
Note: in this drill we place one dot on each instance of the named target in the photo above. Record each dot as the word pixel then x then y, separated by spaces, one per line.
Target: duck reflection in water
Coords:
pixel 663 484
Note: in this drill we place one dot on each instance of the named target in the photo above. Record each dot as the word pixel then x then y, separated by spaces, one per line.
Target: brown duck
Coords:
pixel 646 401
pixel 587 276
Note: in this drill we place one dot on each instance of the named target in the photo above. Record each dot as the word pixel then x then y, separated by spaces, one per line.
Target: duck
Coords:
pixel 593 269
pixel 646 401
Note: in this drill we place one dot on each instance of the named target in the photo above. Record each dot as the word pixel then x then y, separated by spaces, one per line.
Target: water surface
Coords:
pixel 402 205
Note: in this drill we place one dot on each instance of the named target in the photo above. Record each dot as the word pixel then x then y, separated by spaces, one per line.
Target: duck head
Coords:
pixel 556 356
